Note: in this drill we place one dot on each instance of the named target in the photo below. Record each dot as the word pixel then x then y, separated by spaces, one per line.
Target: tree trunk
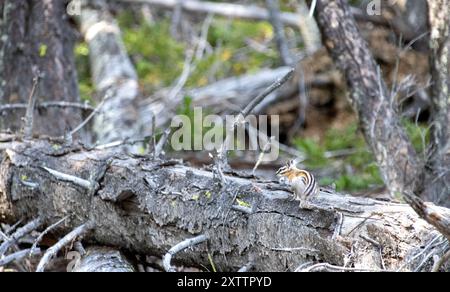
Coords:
pixel 369 96
pixel 36 35
pixel 148 206
pixel 439 18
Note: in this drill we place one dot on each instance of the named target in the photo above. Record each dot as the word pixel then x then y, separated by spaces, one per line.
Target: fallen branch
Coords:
pixel 48 104
pixel 324 267
pixel 180 247
pixel 437 216
pixel 113 72
pixel 69 178
pixel 18 256
pixel 21 232
pixel 53 251
pixel 222 9
pixel 45 232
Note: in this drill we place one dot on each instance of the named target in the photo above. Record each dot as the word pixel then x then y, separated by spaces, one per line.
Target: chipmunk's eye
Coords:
pixel 281 170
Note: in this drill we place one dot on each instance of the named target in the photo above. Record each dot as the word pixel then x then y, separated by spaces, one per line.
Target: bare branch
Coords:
pixel 161 143
pixel 84 123
pixel 20 255
pixel 257 100
pixel 46 231
pixel 331 268
pixel 180 247
pixel 436 216
pixel 280 37
pixel 53 251
pixel 21 232
pixel 29 115
pixel 48 104
pixel 70 178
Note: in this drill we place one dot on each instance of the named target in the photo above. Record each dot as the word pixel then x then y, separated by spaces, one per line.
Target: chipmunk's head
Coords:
pixel 287 169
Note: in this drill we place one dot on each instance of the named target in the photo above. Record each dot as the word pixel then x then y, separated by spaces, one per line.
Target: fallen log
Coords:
pixel 148 206
pixel 113 74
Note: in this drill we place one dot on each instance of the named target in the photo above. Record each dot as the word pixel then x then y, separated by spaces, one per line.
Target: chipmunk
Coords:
pixel 302 183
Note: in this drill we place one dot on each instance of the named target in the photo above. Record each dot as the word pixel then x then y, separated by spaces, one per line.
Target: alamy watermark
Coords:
pixel 234 133
pixel 374 6
pixel 74 8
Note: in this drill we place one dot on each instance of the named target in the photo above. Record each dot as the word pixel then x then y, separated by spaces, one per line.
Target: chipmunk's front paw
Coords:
pixel 306 205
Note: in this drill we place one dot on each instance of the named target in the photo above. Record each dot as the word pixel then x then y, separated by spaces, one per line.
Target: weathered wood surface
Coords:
pixel 148 206
pixel 114 76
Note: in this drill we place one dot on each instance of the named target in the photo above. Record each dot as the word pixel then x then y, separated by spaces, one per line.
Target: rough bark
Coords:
pixel 439 160
pixel 103 260
pixel 113 75
pixel 36 35
pixel 369 96
pixel 148 206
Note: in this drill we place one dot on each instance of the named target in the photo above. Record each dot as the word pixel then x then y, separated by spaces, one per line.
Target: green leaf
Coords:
pixel 43 50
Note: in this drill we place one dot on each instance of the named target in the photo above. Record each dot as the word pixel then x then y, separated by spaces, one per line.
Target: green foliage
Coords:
pixel 419 135
pixel 83 70
pixel 158 58
pixel 364 172
pixel 314 151
pixel 43 50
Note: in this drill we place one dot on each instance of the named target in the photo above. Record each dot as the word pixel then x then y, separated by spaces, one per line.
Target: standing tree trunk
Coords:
pixel 439 160
pixel 35 36
pixel 369 96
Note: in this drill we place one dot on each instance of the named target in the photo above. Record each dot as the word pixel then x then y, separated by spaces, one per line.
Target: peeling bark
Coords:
pixel 148 206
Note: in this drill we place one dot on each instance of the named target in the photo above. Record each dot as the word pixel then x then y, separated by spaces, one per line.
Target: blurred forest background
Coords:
pixel 225 47
pixel 88 90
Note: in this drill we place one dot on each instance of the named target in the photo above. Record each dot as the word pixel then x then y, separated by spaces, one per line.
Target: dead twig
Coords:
pixel 180 247
pixel 29 115
pixel 46 231
pixel 18 256
pixel 52 252
pixel 248 109
pixel 338 228
pixel 69 178
pixel 263 153
pixel 331 268
pixel 21 232
pixel 48 104
pixel 87 120
pixel 161 143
